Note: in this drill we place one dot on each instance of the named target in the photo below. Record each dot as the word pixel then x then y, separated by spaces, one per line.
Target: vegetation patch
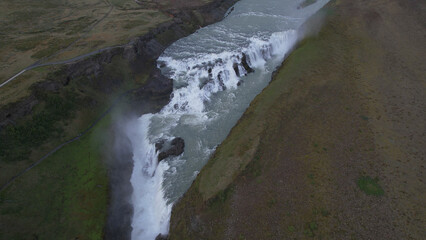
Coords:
pixel 254 167
pixel 310 229
pixel 75 26
pixel 220 198
pixel 364 118
pixel 65 197
pixel 291 228
pixel 34 131
pixel 370 186
pixel 28 43
pixel 311 178
pixel 325 212
pixel 54 46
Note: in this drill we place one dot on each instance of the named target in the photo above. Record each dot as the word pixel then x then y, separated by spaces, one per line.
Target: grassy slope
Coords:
pixel 343 119
pixel 72 206
pixel 57 199
pixel 77 105
pixel 66 196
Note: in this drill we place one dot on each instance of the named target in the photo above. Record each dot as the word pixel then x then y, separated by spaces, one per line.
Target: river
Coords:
pixel 213 85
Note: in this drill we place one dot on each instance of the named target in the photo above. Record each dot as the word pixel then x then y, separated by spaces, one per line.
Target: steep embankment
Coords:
pixel 66 196
pixel 333 148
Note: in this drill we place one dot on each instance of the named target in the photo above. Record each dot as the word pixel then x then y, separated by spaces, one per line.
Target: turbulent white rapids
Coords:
pixel 213 85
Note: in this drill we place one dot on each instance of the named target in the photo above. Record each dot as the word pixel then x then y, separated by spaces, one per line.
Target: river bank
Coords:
pixel 333 147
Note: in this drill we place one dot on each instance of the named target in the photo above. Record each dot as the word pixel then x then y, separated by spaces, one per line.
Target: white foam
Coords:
pixel 149 206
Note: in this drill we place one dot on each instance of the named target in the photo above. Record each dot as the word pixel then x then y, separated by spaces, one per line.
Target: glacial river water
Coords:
pixel 213 85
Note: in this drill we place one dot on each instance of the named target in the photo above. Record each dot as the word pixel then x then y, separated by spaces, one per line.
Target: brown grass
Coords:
pixel 347 103
pixel 42 29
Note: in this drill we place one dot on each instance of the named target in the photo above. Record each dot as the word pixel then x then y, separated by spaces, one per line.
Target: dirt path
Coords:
pixel 42 62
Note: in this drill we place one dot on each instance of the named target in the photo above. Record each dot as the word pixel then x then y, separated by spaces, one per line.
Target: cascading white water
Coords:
pixel 148 191
pixel 212 88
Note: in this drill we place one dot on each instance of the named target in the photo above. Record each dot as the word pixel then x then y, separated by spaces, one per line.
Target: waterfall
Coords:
pixel 216 72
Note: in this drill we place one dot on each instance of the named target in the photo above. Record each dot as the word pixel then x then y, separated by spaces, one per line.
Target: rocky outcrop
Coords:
pixel 13 112
pixel 245 64
pixel 172 148
pixel 161 237
pixel 142 52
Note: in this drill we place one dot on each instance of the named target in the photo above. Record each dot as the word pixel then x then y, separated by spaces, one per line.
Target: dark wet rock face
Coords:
pixel 152 96
pixel 245 64
pixel 237 71
pixel 15 111
pixel 159 145
pixel 221 83
pixel 161 237
pixel 49 86
pixel 172 148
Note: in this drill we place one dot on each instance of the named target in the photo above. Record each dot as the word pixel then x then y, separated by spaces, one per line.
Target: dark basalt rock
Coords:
pixel 49 86
pixel 13 112
pixel 245 64
pixel 176 148
pixel 161 237
pixel 153 95
pixel 237 71
pixel 221 83
pixel 159 145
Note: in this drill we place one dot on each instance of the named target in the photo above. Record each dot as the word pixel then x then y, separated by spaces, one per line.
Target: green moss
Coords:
pixel 325 212
pixel 254 168
pixel 309 233
pixel 310 229
pixel 364 118
pixel 313 226
pixel 220 198
pixel 370 186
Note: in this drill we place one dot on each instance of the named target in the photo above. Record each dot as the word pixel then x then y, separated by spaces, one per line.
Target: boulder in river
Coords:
pixel 174 148
pixel 161 237
pixel 159 145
